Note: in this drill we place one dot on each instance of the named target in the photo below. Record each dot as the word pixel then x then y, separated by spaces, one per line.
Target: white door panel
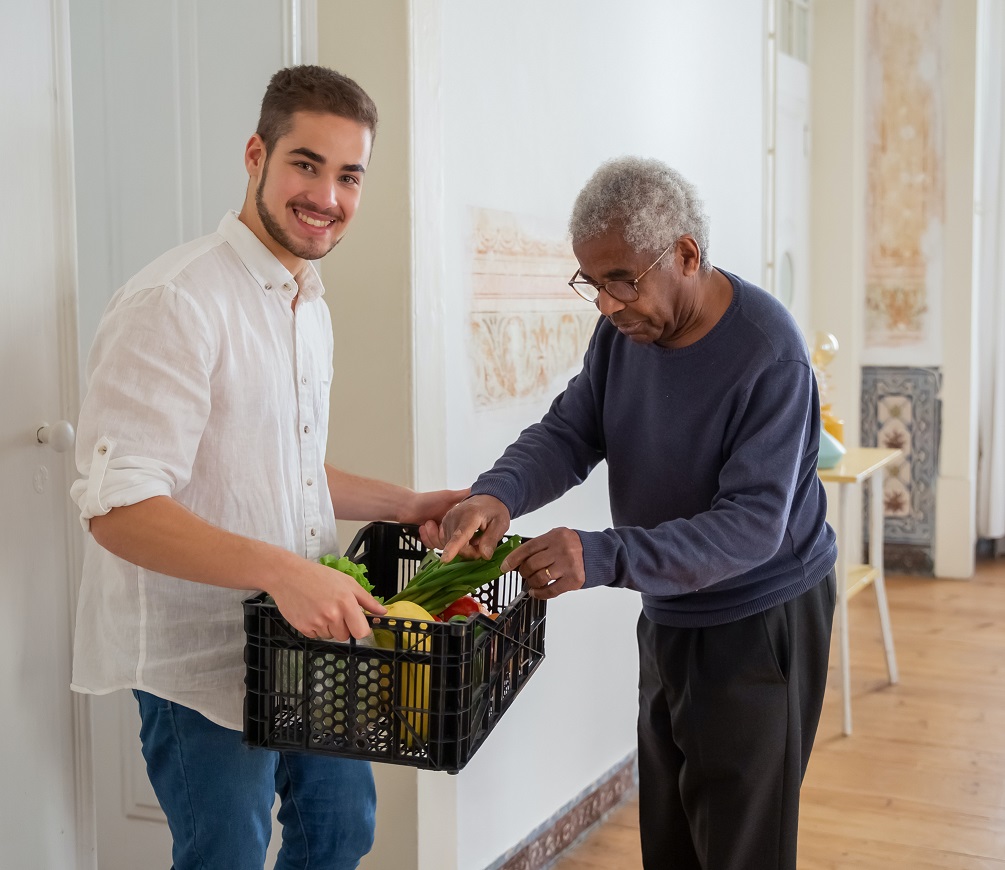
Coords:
pixel 792 188
pixel 39 822
pixel 166 94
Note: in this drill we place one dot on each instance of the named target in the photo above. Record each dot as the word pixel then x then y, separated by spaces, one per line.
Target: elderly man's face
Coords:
pixel 664 307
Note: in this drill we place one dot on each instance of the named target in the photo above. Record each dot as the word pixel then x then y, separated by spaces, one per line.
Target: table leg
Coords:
pixel 876 561
pixel 842 614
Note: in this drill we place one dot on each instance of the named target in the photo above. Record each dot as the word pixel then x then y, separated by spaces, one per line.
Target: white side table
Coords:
pixel 860 464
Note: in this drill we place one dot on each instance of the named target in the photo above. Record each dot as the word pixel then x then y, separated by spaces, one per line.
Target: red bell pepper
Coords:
pixel 466 606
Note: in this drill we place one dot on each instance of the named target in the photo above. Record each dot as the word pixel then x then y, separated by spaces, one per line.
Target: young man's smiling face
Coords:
pixel 304 193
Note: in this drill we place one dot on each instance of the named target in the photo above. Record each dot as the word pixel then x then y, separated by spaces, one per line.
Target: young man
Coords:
pixel 698 392
pixel 201 445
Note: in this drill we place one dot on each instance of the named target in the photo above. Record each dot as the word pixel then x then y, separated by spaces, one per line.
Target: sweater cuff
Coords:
pixel 497 488
pixel 599 554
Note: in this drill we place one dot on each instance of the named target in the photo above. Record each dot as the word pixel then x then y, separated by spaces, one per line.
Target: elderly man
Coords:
pixel 698 391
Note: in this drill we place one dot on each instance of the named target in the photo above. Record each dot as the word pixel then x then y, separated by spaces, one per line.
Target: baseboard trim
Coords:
pixel 547 843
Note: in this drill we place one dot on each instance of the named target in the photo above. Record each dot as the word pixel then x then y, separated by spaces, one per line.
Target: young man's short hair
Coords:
pixel 310 88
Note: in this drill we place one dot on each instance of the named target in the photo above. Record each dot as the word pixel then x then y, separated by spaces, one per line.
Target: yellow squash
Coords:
pixel 413 680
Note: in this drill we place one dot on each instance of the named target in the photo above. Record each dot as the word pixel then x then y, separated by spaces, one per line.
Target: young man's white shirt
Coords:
pixel 206 386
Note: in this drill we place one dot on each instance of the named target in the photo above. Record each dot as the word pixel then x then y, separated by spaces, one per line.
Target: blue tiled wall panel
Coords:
pixel 901 408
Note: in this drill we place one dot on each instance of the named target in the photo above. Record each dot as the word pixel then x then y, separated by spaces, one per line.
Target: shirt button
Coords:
pixel 268 286
pixel 303 380
pixel 307 430
pixel 310 481
pixel 314 533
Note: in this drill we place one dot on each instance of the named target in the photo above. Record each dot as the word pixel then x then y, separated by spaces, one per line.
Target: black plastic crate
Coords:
pixel 428 700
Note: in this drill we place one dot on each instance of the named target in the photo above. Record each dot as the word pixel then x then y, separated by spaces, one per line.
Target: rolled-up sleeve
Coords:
pixel 147 402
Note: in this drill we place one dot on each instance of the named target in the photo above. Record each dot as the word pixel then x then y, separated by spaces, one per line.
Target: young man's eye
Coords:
pixel 350 179
pixel 307 167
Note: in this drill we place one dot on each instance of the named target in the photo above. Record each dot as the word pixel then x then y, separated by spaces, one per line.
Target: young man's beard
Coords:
pixel 305 251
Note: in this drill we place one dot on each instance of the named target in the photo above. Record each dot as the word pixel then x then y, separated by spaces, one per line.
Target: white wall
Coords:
pixel 837 160
pixel 511 107
pixel 956 507
pixel 368 289
pixel 530 98
pixel 487 105
pixel 839 177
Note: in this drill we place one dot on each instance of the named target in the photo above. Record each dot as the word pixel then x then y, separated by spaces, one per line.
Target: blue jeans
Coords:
pixel 218 793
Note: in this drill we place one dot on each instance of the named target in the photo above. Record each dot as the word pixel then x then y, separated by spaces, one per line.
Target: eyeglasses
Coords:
pixel 623 291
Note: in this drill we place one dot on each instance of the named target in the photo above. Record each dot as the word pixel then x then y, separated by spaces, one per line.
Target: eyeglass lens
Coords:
pixel 623 291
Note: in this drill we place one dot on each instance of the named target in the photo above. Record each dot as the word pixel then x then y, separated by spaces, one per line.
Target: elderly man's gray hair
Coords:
pixel 655 204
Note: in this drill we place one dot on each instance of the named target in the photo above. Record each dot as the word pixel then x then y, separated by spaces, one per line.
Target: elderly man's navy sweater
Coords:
pixel 712 450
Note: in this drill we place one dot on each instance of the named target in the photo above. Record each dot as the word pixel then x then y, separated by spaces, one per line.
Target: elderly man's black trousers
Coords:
pixel 727 717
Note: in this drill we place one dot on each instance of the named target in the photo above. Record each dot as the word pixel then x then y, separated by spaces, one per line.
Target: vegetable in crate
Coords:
pixel 334 700
pixel 413 679
pixel 353 569
pixel 438 584
pixel 290 664
pixel 435 586
pixel 463 608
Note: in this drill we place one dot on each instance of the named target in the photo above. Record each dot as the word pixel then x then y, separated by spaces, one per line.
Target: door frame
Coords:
pixel 69 390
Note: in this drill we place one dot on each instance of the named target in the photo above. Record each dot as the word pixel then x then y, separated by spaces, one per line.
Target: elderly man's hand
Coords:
pixel 471 529
pixel 550 564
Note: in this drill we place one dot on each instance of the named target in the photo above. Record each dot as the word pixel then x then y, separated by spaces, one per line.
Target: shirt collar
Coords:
pixel 267 271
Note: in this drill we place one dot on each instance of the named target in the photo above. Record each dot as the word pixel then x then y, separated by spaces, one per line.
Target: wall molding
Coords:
pixel 571 823
pixel 300 32
pixel 138 798
pixel 85 821
pixel 185 45
pixel 429 311
pixel 770 122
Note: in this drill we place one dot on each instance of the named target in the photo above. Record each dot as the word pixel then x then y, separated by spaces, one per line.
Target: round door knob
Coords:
pixel 59 436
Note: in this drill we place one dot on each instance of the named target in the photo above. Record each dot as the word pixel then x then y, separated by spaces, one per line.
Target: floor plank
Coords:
pixel 921 782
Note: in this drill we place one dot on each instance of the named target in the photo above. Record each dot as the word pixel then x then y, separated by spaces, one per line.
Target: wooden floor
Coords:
pixel 921 782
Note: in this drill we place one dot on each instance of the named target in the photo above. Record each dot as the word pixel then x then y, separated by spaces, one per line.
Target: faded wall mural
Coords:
pixel 904 254
pixel 906 191
pixel 527 327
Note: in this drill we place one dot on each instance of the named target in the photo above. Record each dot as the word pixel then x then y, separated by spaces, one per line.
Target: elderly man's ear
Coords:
pixel 690 255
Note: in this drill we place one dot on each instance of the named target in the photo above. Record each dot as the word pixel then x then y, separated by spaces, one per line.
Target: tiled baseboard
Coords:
pixel 908 559
pixel 550 840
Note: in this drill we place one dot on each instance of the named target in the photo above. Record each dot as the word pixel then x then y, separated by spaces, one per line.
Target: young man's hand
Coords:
pixel 324 603
pixel 422 507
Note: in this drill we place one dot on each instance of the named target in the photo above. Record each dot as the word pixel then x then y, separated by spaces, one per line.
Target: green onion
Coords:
pixel 437 585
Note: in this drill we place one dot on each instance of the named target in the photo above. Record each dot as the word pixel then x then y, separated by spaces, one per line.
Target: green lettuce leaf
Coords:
pixel 353 569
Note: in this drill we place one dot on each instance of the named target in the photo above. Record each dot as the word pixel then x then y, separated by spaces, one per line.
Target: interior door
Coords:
pixel 44 812
pixel 792 191
pixel 166 93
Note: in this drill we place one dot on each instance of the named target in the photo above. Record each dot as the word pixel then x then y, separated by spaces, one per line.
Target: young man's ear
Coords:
pixel 255 156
